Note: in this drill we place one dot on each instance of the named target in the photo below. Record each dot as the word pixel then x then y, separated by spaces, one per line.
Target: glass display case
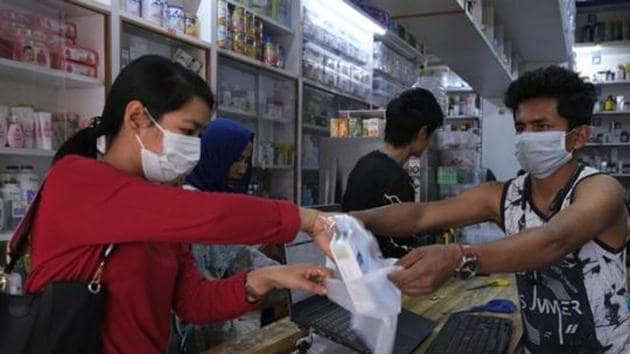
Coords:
pixel 265 103
pixel 53 77
pixel 319 107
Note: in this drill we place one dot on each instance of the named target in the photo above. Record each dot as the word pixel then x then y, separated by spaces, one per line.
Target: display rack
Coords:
pixel 67 87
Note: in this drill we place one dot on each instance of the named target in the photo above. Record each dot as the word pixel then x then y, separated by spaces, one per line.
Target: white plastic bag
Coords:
pixel 373 300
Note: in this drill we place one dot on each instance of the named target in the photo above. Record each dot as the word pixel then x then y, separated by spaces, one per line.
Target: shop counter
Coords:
pixel 280 337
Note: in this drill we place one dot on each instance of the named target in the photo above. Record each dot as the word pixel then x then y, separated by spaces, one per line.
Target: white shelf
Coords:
pixel 612 113
pixel 275 120
pixel 393 41
pixel 612 47
pixel 93 5
pixel 276 167
pixel 462 117
pixel 38 75
pixel 459 90
pixel 5 235
pixel 239 113
pixel 612 83
pixel 316 128
pixel 26 152
pixel 150 26
pixel 606 144
pixel 251 61
pixel 620 175
pixel 451 34
pixel 519 18
pixel 334 90
pixel 275 26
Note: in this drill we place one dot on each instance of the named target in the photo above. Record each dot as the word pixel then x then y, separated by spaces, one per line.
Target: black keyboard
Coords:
pixel 330 320
pixel 469 333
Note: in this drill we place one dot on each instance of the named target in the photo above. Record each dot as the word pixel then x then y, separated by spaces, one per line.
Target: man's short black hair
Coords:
pixel 575 97
pixel 408 113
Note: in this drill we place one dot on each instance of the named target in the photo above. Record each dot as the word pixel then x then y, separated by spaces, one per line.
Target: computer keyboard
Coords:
pixel 470 333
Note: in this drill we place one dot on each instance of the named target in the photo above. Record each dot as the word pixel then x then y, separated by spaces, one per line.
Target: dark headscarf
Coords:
pixel 222 144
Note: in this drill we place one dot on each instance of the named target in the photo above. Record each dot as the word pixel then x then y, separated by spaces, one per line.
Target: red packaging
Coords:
pixel 65 29
pixel 78 54
pixel 30 51
pixel 77 68
pixel 7 15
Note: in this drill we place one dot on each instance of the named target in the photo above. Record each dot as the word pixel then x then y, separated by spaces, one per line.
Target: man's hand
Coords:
pixel 426 268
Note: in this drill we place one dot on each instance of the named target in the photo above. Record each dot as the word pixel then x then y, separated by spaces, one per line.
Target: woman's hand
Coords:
pixel 318 225
pixel 307 277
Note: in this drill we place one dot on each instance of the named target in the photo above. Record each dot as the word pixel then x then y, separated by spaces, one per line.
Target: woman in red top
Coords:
pixel 153 114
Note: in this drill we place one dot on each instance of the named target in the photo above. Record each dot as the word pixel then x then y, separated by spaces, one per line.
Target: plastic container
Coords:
pixel 153 11
pixel 13 205
pixel 4 125
pixel 15 136
pixel 132 7
pixel 28 182
pixel 175 18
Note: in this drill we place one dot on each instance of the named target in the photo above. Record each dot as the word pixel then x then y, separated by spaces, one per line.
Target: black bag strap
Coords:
pixel 18 245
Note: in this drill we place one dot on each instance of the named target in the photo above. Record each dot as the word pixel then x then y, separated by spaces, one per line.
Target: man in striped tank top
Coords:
pixel 566 226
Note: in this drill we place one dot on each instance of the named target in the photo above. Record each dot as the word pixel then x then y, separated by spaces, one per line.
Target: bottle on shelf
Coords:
pixel 28 181
pixel 12 196
pixel 609 104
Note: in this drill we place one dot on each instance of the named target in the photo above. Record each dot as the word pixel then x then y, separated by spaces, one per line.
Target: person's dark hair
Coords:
pixel 161 84
pixel 408 113
pixel 575 97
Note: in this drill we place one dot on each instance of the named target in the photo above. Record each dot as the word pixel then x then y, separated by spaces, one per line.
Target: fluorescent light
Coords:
pixel 347 13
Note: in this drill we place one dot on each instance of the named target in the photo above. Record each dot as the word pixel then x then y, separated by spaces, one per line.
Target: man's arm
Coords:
pixel 474 206
pixel 598 210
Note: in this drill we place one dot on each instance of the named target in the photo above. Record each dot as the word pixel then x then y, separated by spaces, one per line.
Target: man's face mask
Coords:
pixel 180 154
pixel 542 153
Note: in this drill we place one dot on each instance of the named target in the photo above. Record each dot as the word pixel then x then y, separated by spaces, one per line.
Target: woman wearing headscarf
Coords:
pixel 224 166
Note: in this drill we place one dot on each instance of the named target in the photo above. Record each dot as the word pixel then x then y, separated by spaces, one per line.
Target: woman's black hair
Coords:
pixel 161 84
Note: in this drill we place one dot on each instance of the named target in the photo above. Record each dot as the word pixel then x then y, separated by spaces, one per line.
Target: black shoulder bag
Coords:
pixel 65 317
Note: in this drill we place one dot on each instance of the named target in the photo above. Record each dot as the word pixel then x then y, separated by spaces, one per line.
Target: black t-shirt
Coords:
pixel 377 180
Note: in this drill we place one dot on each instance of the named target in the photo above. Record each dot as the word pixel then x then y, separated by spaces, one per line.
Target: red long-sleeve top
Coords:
pixel 88 204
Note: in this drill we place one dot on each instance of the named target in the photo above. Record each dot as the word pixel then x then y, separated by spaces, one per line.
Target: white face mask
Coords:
pixel 180 154
pixel 542 154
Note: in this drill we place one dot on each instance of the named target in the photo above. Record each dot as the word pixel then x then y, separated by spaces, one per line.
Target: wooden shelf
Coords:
pixel 316 129
pixel 253 62
pixel 38 75
pixel 275 26
pixel 27 152
pixel 152 27
pixel 334 90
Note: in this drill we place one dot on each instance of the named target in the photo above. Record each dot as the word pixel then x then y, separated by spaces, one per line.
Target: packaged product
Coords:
pixel 78 68
pixel 153 10
pixel 175 18
pixel 30 51
pixel 74 53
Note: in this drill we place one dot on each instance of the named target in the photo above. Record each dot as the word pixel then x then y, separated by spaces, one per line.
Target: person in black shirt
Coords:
pixel 379 178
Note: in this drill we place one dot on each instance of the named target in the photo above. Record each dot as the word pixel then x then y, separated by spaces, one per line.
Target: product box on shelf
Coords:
pixel 75 54
pixel 77 68
pixel 30 51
